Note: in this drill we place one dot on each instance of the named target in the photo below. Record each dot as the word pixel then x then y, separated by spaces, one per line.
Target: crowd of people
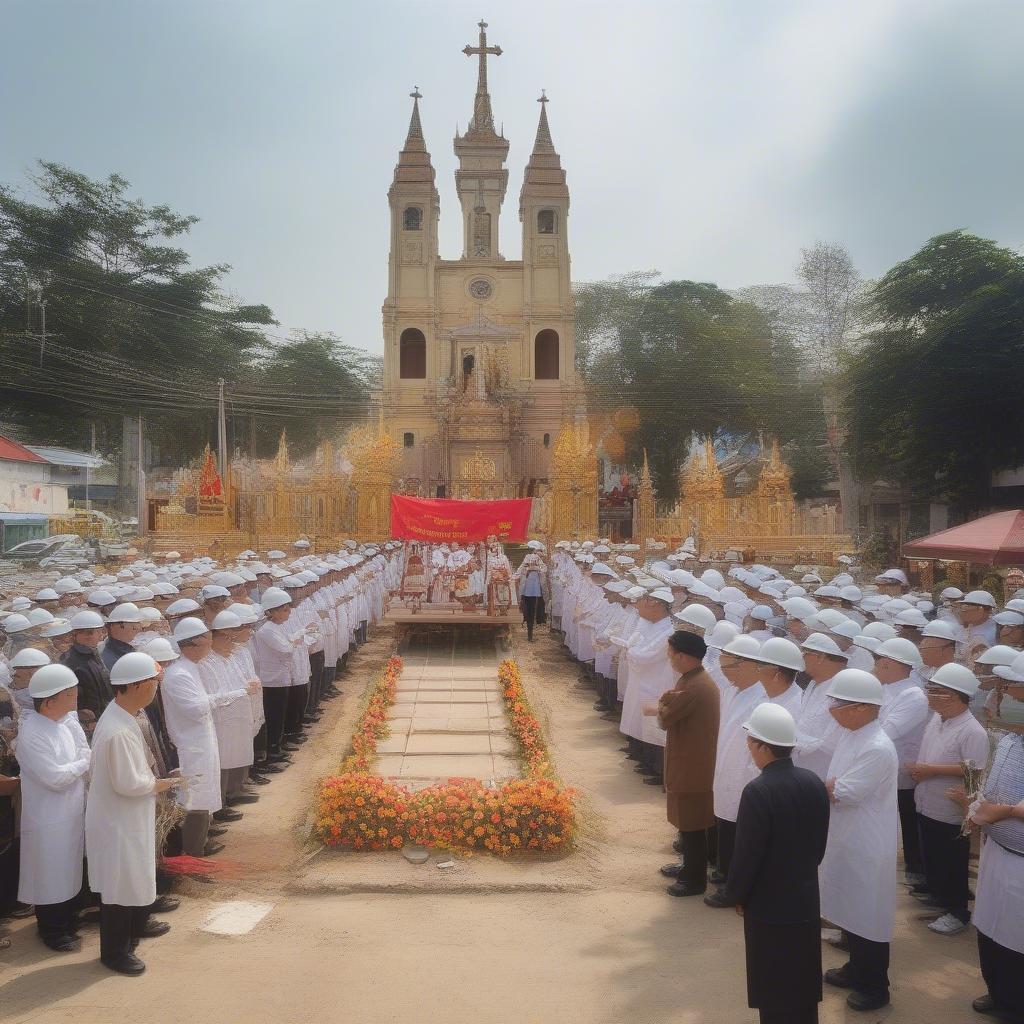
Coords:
pixel 810 732
pixel 190 681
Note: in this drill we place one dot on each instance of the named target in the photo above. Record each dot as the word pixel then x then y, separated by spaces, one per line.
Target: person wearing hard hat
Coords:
pixel 87 632
pixel 54 757
pixel 975 611
pixel 952 737
pixel 689 715
pixel 650 675
pixel 274 646
pixel 903 717
pixel 780 661
pixel 232 709
pixel 124 623
pixel 858 871
pixel 120 817
pixel 937 646
pixel 998 915
pixel 732 758
pixel 781 834
pixel 23 666
pixel 818 731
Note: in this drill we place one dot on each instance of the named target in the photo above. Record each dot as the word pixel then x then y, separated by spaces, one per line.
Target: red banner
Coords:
pixel 443 520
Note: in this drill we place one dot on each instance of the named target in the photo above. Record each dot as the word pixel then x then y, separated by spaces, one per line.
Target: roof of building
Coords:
pixel 11 451
pixel 67 457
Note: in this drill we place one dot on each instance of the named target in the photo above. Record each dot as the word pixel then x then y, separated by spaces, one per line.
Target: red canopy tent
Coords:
pixel 997 539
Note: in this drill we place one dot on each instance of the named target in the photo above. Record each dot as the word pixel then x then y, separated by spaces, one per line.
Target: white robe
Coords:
pixel 817 732
pixel 54 759
pixel 120 815
pixel 858 873
pixel 904 716
pixel 188 709
pixel 732 756
pixel 650 675
pixel 232 711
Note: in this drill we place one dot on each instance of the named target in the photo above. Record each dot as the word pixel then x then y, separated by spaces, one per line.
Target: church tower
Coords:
pixel 479 351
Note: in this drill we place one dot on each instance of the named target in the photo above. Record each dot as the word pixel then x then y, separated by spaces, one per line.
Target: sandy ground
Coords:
pixel 370 937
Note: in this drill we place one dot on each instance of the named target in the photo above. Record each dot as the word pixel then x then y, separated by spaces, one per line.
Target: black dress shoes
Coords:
pixel 654 780
pixel 300 739
pixel 258 780
pixel 62 943
pixel 290 747
pixel 165 904
pixel 154 929
pixel 127 963
pixel 270 768
pixel 990 1008
pixel 211 848
pixel 671 870
pixel 717 900
pixel 215 830
pixel 226 814
pixel 242 798
pixel 865 1001
pixel 838 977
pixel 684 889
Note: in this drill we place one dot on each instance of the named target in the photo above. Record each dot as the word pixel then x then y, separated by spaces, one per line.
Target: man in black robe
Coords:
pixel 781 832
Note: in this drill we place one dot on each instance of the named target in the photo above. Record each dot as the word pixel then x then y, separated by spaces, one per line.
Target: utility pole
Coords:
pixel 141 483
pixel 88 467
pixel 222 433
pixel 42 329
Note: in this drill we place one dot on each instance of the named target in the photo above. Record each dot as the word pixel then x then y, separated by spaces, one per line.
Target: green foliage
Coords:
pixel 933 398
pixel 693 360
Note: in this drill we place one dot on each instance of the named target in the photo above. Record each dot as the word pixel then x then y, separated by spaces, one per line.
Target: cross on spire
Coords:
pixel 416 94
pixel 483 118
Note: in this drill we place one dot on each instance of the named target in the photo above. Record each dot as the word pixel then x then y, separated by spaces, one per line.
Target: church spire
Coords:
pixel 483 117
pixel 414 140
pixel 544 177
pixel 414 164
pixel 543 143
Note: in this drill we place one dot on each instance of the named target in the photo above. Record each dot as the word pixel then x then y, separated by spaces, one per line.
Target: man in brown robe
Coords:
pixel 689 715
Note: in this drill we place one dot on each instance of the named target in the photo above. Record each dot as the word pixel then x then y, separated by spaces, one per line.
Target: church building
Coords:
pixel 479 351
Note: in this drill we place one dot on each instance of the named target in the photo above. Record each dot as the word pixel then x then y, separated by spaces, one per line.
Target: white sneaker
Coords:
pixel 948 924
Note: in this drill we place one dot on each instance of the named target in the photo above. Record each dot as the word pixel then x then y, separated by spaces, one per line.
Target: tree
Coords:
pixel 933 397
pixel 692 360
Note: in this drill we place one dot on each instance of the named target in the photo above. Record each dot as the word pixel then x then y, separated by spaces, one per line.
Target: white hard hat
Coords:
pixel 1015 605
pixel 59 627
pixel 30 657
pixel 879 630
pixel 1005 618
pixel 997 654
pixel 697 615
pixel 743 646
pixel 941 629
pixel 781 652
pixel 896 575
pixel 21 604
pixel 662 594
pixel 188 628
pixel 227 579
pixel 133 668
pixel 913 617
pixel 274 597
pixel 160 649
pixel 50 680
pixel 847 628
pixel 163 589
pixel 1014 672
pixel 869 643
pixel 951 594
pixel 851 593
pixel 67 585
pixel 86 620
pixel 183 606
pixel 772 723
pixel 225 620
pixel 150 615
pixel 831 617
pixel 979 597
pixel 126 612
pixel 901 650
pixel 823 645
pixel 41 617
pixel 712 578
pixel 100 598
pixel 761 612
pixel 956 677
pixel 47 594
pixel 799 607
pixel 16 623
pixel 213 590
pixel 721 634
pixel 856 685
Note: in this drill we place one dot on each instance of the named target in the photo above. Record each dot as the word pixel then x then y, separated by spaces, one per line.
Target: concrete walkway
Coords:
pixel 449 719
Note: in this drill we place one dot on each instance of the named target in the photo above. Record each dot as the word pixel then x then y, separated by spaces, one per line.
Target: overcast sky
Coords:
pixel 706 140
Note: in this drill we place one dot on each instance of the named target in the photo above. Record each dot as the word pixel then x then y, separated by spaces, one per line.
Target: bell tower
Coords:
pixel 481 179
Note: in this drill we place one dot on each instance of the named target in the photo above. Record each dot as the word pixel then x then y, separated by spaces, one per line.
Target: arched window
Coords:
pixel 412 355
pixel 547 440
pixel 545 355
pixel 412 218
pixel 408 439
pixel 546 222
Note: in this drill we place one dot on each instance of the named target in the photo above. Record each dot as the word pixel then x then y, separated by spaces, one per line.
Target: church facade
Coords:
pixel 479 351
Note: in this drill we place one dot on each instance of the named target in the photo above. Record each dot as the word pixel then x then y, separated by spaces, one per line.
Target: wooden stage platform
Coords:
pixel 430 619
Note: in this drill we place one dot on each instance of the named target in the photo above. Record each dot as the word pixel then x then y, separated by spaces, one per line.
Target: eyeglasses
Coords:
pixel 841 705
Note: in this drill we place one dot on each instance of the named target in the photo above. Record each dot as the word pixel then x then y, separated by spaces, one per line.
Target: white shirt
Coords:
pixel 650 675
pixel 903 716
pixel 120 814
pixel 232 710
pixel 54 759
pixel 273 648
pixel 858 872
pixel 948 742
pixel 817 732
pixel 732 757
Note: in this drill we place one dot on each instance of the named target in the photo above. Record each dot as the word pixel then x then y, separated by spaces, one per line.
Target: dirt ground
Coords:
pixel 588 938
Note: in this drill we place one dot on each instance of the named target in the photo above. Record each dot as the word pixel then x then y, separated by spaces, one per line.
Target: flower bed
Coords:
pixel 361 811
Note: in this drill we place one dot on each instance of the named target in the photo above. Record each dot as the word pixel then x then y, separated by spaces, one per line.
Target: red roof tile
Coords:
pixel 14 452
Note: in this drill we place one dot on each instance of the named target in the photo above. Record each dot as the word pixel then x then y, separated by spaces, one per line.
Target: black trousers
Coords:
pixel 120 928
pixel 803 1015
pixel 1003 971
pixel 868 965
pixel 10 869
pixel 275 704
pixel 316 672
pixel 57 920
pixel 912 860
pixel 259 743
pixel 726 844
pixel 652 757
pixel 295 709
pixel 946 854
pixel 530 614
pixel 694 871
